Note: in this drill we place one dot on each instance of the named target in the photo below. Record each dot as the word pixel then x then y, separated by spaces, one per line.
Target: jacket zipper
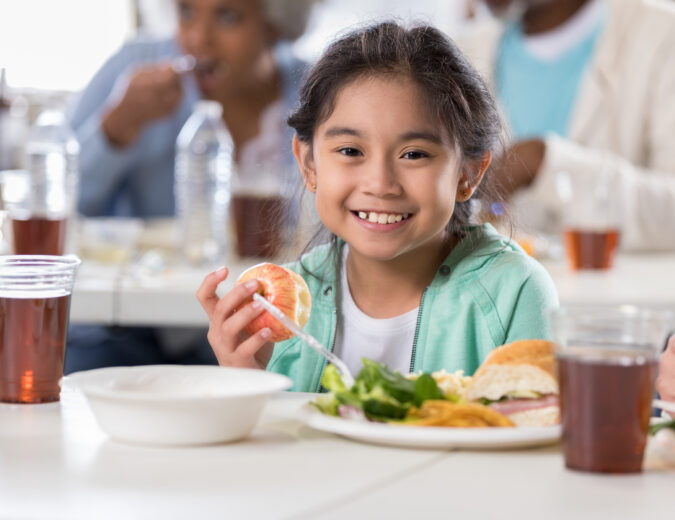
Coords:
pixel 417 332
pixel 332 348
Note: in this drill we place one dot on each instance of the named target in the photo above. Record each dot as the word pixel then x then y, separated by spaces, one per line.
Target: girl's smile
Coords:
pixel 381 220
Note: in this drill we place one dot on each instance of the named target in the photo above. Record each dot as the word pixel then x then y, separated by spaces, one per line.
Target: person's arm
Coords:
pixel 647 195
pixel 108 115
pixel 102 166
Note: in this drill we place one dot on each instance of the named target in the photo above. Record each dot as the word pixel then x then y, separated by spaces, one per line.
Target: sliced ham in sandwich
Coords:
pixel 519 380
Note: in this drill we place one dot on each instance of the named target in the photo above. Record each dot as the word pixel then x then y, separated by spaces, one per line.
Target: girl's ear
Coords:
pixel 472 173
pixel 303 155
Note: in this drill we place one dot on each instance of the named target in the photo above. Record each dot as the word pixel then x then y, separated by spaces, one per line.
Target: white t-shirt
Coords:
pixel 388 341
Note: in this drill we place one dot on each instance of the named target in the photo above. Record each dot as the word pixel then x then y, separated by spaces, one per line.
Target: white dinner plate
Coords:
pixel 431 436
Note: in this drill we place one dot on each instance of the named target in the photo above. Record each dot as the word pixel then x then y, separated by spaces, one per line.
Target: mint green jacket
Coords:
pixel 487 292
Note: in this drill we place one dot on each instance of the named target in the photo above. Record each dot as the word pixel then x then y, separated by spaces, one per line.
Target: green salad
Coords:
pixel 378 393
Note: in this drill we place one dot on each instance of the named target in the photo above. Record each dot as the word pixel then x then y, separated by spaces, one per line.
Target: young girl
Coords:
pixel 394 133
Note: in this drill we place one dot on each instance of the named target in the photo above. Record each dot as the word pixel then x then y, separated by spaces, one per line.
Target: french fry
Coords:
pixel 464 415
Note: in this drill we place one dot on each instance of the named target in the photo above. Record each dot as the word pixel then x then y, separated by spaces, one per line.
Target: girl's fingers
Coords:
pixel 206 294
pixel 238 321
pixel 235 299
pixel 247 350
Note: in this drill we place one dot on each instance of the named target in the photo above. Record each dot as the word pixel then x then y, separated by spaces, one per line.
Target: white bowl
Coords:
pixel 177 404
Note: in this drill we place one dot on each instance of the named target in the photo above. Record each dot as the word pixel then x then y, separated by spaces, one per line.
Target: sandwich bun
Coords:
pixel 537 417
pixel 518 367
pixel 525 373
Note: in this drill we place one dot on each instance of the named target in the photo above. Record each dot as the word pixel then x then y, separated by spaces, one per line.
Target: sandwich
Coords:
pixel 519 381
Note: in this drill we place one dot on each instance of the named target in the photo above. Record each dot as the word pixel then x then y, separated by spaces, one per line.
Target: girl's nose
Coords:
pixel 381 179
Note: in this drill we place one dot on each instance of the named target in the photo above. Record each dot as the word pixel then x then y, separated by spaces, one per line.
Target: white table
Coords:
pixel 641 279
pixel 119 295
pixel 55 463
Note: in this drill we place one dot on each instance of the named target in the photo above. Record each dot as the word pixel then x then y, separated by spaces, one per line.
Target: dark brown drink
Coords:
pixel 32 347
pixel 39 236
pixel 259 223
pixel 591 249
pixel 606 405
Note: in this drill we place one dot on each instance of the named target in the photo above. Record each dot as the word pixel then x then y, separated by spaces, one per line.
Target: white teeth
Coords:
pixel 383 218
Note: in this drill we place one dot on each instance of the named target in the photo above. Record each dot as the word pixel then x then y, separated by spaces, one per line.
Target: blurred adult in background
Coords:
pixel 128 117
pixel 586 86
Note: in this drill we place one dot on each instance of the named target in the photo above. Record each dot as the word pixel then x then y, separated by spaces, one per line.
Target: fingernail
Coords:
pixel 219 271
pixel 256 305
pixel 265 333
pixel 251 284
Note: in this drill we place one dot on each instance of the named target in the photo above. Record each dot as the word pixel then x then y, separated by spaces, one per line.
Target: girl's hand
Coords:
pixel 228 316
pixel 665 383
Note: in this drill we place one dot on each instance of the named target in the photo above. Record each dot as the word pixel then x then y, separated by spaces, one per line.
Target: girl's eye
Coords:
pixel 349 152
pixel 415 154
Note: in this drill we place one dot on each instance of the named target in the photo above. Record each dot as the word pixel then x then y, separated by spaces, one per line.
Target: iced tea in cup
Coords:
pixel 38 206
pixel 259 211
pixel 607 361
pixel 590 218
pixel 35 295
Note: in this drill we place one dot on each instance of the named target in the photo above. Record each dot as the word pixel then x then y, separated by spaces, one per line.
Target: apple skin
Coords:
pixel 286 290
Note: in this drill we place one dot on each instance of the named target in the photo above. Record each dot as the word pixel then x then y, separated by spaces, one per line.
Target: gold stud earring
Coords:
pixel 313 187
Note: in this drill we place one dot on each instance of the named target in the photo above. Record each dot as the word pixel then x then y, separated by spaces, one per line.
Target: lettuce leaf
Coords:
pixel 381 394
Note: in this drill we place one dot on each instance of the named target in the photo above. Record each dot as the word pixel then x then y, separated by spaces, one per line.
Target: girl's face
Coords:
pixel 386 175
pixel 227 37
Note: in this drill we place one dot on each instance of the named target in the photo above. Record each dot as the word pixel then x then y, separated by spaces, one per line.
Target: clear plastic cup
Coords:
pixel 35 295
pixel 591 218
pixel 260 211
pixel 607 362
pixel 38 208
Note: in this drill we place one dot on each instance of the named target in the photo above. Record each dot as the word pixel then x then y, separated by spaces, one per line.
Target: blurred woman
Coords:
pixel 236 52
pixel 128 117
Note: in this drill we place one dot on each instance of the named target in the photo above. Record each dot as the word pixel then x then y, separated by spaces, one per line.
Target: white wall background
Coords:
pixel 59 44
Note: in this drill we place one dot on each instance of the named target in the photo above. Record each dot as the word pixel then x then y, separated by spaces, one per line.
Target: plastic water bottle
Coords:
pixel 52 153
pixel 51 162
pixel 204 163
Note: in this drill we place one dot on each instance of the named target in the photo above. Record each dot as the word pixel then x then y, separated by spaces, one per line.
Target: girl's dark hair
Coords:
pixel 456 95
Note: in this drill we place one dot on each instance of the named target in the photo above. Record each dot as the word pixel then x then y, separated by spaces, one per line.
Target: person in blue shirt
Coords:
pixel 586 88
pixel 394 132
pixel 236 52
pixel 128 117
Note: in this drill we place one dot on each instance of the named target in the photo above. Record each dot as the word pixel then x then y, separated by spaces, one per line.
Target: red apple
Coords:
pixel 283 288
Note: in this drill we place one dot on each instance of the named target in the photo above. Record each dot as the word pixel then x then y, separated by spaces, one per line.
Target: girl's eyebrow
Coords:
pixel 426 136
pixel 340 131
pixel 407 136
